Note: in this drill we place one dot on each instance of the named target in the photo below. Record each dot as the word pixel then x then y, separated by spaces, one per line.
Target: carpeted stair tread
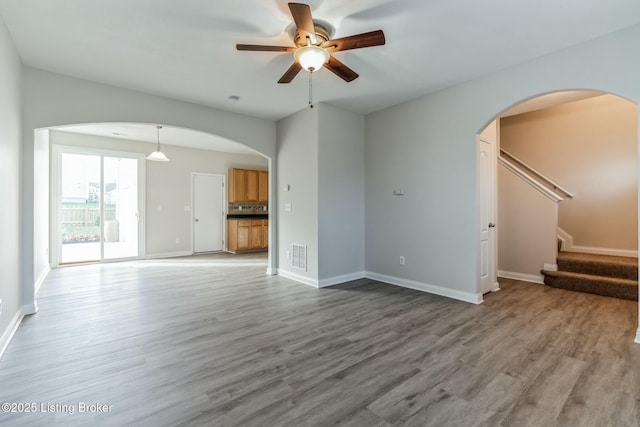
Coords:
pixel 598 265
pixel 600 285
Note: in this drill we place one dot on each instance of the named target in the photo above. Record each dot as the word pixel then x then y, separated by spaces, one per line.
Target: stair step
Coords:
pixel 593 284
pixel 599 265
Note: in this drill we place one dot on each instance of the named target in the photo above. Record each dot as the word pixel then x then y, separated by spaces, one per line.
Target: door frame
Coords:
pixel 193 211
pixel 55 192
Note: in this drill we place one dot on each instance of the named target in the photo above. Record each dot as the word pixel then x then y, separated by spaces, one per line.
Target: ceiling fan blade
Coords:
pixel 340 70
pixel 290 73
pixel 373 38
pixel 263 48
pixel 301 14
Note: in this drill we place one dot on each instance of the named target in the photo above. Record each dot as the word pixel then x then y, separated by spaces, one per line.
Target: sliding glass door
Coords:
pixel 97 205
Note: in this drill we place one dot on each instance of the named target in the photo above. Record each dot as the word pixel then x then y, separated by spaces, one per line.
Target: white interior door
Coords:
pixel 208 213
pixel 486 194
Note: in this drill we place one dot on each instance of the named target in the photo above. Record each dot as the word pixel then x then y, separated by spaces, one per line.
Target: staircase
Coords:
pixel 610 276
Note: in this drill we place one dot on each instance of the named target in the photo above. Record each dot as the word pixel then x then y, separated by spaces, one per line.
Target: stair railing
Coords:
pixel 545 185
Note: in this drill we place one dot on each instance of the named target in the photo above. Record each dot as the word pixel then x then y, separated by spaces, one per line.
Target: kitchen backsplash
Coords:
pixel 248 208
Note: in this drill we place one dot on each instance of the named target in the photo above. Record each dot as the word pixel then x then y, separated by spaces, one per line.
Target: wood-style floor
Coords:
pixel 213 341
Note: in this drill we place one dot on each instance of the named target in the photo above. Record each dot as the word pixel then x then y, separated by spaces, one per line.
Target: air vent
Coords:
pixel 299 256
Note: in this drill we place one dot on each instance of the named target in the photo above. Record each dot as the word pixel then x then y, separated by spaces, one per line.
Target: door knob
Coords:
pixel 491 225
pixel 197 220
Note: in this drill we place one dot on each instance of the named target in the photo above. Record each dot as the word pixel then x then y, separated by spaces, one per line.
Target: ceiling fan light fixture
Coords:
pixel 311 58
pixel 158 156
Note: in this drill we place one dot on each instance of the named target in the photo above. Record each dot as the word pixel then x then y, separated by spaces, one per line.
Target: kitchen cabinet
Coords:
pixel 253 186
pixel 247 185
pixel 265 234
pixel 263 186
pixel 247 235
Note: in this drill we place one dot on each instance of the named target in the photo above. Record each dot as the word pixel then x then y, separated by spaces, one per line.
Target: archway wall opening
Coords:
pixel 590 148
pixel 52 100
pixel 428 146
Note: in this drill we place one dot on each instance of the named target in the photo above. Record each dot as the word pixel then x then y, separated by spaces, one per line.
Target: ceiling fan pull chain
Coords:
pixel 311 89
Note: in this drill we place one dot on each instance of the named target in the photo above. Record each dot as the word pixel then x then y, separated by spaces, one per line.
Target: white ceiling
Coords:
pixel 186 49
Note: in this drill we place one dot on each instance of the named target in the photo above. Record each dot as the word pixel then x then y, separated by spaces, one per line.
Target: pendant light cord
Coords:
pixel 310 88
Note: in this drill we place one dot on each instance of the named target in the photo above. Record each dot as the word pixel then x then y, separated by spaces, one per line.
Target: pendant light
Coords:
pixel 158 156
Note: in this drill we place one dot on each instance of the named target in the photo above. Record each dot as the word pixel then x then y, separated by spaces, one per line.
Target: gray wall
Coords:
pixel 297 162
pixel 340 195
pixel 10 162
pixel 321 159
pixel 427 146
pixel 167 184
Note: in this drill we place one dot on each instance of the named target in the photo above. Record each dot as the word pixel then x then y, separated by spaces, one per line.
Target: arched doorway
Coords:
pixel 586 141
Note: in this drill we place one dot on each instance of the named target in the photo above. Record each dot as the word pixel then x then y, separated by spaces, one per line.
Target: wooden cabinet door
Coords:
pixel 256 234
pixel 237 185
pixel 244 235
pixel 263 191
pixel 252 185
pixel 265 233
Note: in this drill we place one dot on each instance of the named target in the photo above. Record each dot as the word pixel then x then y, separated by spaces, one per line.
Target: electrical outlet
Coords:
pixel 288 254
pixel 177 240
pixel 401 260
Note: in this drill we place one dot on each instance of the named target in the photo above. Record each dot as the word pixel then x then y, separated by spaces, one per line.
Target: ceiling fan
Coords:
pixel 313 46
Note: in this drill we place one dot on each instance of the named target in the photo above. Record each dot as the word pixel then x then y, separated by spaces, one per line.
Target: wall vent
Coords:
pixel 299 256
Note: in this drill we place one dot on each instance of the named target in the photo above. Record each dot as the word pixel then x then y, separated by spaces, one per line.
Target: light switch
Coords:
pixel 187 208
pixel 159 208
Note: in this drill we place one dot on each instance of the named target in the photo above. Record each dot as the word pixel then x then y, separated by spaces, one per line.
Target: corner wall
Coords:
pixel 10 190
pixel 297 189
pixel 340 195
pixel 321 177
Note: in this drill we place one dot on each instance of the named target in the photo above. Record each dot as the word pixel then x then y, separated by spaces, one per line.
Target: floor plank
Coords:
pixel 212 340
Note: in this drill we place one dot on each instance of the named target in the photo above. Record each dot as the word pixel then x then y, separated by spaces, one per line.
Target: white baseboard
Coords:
pixel 425 287
pixel 336 280
pixel 550 267
pixel 41 279
pixel 638 336
pixel 271 271
pixel 566 239
pixel 568 246
pixel 168 255
pixel 297 277
pixel 496 286
pixel 533 278
pixel 604 251
pixel 11 329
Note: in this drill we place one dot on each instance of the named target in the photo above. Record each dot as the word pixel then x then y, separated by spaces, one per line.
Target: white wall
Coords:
pixel 427 146
pixel 53 100
pixel 589 147
pixel 297 161
pixel 10 168
pixel 167 185
pixel 340 195
pixel 527 236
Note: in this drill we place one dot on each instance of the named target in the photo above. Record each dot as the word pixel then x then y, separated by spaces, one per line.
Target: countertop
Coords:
pixel 248 216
